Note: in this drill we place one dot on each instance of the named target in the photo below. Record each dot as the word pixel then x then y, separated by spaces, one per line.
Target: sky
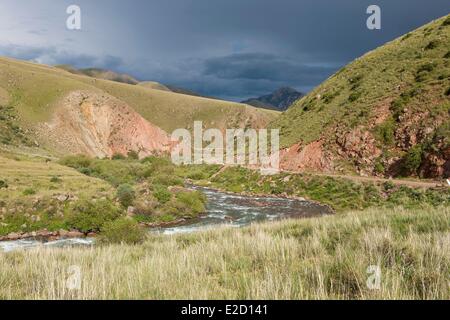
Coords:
pixel 231 49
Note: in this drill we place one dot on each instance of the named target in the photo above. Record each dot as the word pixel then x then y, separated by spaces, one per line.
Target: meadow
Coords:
pixel 319 258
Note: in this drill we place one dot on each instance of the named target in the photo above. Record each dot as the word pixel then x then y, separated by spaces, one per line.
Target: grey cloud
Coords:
pixel 52 56
pixel 260 66
pixel 225 48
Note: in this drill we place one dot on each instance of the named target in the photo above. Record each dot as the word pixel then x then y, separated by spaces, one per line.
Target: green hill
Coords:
pixel 100 74
pixel 386 113
pixel 30 94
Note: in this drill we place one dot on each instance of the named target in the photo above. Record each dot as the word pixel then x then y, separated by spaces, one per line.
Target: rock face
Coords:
pixel 309 157
pixel 100 125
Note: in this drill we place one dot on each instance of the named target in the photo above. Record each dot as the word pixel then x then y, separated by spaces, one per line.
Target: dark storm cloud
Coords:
pixel 230 49
pixel 260 66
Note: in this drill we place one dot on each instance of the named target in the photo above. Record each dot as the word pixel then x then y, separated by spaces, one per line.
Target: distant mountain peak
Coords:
pixel 281 99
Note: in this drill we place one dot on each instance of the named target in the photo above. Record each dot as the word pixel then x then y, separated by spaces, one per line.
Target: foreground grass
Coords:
pixel 323 258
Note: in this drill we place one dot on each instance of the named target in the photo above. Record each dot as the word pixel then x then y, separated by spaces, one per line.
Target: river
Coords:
pixel 222 208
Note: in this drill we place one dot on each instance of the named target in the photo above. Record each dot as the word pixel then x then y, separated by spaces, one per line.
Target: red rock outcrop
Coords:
pixel 101 125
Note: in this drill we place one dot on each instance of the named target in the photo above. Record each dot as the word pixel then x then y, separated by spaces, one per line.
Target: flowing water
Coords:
pixel 237 211
pixel 222 209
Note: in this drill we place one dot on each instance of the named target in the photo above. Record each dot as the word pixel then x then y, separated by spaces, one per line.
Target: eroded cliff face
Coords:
pixel 100 125
pixel 341 148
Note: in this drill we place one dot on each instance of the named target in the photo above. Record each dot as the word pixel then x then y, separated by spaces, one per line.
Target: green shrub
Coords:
pixel 385 132
pixel 55 179
pixel 193 200
pixel 162 194
pixel 3 184
pixel 397 107
pixel 413 158
pixel 167 179
pixel 133 155
pixel 428 67
pixel 379 167
pixel 29 192
pixel 86 171
pixel 447 92
pixel 447 55
pixel 88 216
pixel 122 231
pixel 354 96
pixel 118 156
pixel 421 76
pixel 76 162
pixel 196 175
pixel 433 44
pixel 125 195
pixel 446 22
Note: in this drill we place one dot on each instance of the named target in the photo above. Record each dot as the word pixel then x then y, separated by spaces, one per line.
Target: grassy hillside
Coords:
pixel 83 194
pixel 100 74
pixel 392 99
pixel 33 92
pixel 323 258
pixel 153 85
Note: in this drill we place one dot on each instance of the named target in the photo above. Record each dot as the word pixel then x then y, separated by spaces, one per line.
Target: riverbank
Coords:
pixel 221 208
pixel 318 258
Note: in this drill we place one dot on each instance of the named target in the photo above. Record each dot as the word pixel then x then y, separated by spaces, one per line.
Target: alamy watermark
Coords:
pixel 374 20
pixel 73 22
pixel 246 147
pixel 73 281
pixel 374 280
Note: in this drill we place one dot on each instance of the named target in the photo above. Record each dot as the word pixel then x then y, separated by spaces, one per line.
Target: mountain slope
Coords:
pixel 101 74
pixel 279 100
pixel 387 113
pixel 154 85
pixel 32 96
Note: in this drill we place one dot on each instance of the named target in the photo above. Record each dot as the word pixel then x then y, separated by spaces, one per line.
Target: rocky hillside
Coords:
pixel 65 112
pixel 279 100
pixel 387 113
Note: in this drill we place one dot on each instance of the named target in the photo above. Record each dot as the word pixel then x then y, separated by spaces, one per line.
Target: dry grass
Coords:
pixel 323 258
pixel 24 172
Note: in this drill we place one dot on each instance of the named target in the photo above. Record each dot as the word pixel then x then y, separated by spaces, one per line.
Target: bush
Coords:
pixel 3 184
pixel 125 195
pixel 432 45
pixel 385 132
pixel 413 159
pixel 55 179
pixel 133 155
pixel 193 200
pixel 447 55
pixel 122 231
pixel 76 162
pixel 29 192
pixel 428 67
pixel 89 216
pixel 447 92
pixel 162 194
pixel 86 171
pixel 167 180
pixel 379 167
pixel 446 22
pixel 354 96
pixel 118 156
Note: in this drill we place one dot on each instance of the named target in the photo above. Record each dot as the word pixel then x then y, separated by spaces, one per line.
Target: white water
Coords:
pixel 8 246
pixel 223 209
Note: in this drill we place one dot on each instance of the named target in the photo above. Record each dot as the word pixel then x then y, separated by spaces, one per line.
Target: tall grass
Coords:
pixel 320 258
